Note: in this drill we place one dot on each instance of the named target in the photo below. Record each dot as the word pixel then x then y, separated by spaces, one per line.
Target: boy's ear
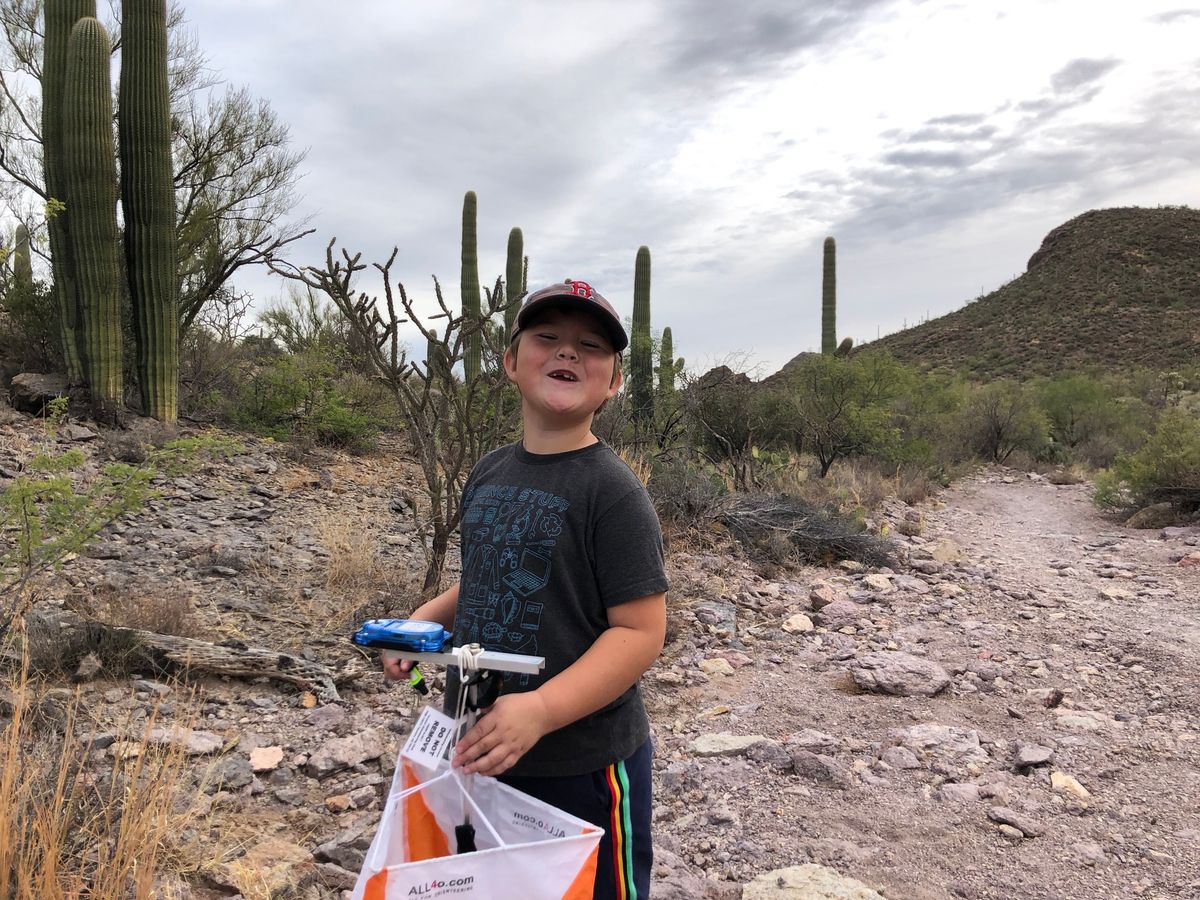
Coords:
pixel 618 378
pixel 510 365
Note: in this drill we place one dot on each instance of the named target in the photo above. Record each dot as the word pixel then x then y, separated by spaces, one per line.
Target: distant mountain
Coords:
pixel 1110 288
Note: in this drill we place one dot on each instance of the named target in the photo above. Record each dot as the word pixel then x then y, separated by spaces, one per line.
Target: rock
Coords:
pixel 1030 755
pixel 229 774
pixel 838 613
pixel 821 595
pixel 879 583
pixel 806 882
pixel 1087 853
pixel 1157 515
pixel 1005 816
pixel 31 391
pixel 195 743
pixel 342 753
pixel 1062 783
pixel 1085 720
pixel 337 803
pixel 943 550
pixel 901 674
pixel 325 717
pixel 948 748
pixel 955 792
pixel 716 666
pixel 8 416
pixel 1117 594
pixel 72 433
pixel 819 768
pixel 349 847
pixel 331 875
pixel 719 615
pixel 900 758
pixel 274 867
pixel 89 667
pixel 797 624
pixel 723 744
pixel 265 759
pixel 908 527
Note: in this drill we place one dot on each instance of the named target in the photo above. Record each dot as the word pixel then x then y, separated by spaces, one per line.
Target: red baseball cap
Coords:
pixel 578 295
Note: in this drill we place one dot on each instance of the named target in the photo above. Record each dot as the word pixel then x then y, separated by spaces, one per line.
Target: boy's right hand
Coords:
pixel 395 668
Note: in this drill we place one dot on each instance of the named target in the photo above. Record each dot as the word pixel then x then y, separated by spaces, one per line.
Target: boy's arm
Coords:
pixel 441 610
pixel 610 666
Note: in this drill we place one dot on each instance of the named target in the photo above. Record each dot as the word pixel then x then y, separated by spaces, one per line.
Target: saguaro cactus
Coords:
pixel 641 386
pixel 514 278
pixel 60 16
pixel 829 298
pixel 91 173
pixel 469 280
pixel 668 365
pixel 148 199
pixel 22 261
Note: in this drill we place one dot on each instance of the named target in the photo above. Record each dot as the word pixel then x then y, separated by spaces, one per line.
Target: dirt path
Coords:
pixel 908 793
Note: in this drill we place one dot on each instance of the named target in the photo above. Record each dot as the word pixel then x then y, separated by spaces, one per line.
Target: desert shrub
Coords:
pixel 686 492
pixel 298 397
pixel 787 529
pixel 29 326
pixel 1165 468
pixel 833 407
pixel 1002 417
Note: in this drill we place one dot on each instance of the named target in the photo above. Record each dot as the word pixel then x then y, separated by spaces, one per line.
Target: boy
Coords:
pixel 562 558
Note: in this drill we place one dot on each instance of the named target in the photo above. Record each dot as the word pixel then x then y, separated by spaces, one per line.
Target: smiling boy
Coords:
pixel 562 557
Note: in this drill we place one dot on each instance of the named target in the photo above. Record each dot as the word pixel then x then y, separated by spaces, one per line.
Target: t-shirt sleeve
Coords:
pixel 629 550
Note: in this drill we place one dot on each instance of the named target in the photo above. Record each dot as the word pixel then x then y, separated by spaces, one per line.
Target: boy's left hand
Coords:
pixel 513 724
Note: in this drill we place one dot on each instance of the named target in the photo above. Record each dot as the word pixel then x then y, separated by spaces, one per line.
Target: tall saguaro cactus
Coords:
pixel 641 373
pixel 829 298
pixel 22 260
pixel 514 278
pixel 148 201
pixel 60 16
pixel 91 173
pixel 469 279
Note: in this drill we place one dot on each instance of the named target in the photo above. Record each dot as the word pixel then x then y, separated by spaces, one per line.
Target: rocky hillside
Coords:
pixel 1110 288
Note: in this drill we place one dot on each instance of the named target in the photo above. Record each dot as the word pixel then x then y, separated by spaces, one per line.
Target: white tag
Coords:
pixel 430 738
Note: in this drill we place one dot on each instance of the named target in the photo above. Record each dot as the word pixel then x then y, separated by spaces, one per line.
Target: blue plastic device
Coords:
pixel 413 635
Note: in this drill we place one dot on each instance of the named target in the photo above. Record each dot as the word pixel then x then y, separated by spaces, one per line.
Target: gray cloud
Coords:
pixel 1079 72
pixel 1175 15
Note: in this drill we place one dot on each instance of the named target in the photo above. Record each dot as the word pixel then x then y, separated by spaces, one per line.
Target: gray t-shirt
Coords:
pixel 549 543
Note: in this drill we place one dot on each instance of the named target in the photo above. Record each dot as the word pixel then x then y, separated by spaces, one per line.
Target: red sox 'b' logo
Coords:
pixel 581 289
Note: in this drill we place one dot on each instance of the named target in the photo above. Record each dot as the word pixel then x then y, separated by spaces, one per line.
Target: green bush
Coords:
pixel 1165 468
pixel 1002 417
pixel 299 397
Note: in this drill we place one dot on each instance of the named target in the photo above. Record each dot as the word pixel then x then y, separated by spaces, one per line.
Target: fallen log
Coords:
pixel 233 658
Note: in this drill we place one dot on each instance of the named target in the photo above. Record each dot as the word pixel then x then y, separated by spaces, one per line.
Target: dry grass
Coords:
pixel 74 822
pixel 636 461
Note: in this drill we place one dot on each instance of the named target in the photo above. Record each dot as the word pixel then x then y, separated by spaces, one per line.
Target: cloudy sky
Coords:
pixel 937 141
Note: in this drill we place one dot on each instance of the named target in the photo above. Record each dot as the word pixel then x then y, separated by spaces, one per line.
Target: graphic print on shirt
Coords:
pixel 509 535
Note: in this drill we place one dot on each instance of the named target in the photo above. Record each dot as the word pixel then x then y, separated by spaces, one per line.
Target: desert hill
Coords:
pixel 1110 288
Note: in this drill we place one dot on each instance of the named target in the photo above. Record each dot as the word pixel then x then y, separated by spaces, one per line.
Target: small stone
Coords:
pixel 723 744
pixel 879 583
pixel 1005 816
pixel 1062 783
pixel 956 792
pixel 1087 853
pixel 900 758
pixel 716 666
pixel 337 803
pixel 1117 594
pixel 797 624
pixel 806 882
pixel 265 759
pixel 1030 755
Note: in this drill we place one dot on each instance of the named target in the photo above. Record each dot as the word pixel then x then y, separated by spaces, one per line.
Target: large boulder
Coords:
pixel 31 391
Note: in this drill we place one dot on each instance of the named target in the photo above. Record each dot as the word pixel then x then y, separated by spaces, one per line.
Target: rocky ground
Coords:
pixel 1011 712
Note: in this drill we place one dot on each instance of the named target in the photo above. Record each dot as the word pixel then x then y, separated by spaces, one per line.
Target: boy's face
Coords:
pixel 565 368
